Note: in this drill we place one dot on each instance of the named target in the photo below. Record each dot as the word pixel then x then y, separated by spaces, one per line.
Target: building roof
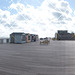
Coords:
pixel 18 33
pixel 27 33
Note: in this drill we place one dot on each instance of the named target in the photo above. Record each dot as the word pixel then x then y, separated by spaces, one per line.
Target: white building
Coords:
pixel 4 40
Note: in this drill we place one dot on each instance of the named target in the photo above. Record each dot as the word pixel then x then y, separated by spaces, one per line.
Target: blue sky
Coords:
pixel 72 3
pixel 5 3
pixel 42 17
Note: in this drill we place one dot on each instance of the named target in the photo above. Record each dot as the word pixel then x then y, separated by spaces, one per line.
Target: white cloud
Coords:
pixel 44 20
pixel 74 12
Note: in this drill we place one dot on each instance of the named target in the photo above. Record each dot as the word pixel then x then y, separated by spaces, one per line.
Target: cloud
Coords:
pixel 74 12
pixel 23 17
pixel 44 20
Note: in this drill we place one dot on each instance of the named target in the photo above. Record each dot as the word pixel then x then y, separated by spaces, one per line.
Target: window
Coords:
pixel 28 37
pixel 23 38
pixel 32 37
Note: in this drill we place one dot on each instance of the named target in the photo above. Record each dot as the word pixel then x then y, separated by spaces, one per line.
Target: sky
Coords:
pixel 42 17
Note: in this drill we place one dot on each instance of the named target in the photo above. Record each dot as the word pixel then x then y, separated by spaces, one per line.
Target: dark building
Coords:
pixel 62 32
pixel 33 38
pixel 17 37
pixel 64 35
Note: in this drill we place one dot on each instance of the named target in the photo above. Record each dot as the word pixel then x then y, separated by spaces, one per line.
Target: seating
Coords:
pixel 45 42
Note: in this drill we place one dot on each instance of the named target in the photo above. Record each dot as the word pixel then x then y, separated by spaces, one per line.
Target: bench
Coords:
pixel 45 42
